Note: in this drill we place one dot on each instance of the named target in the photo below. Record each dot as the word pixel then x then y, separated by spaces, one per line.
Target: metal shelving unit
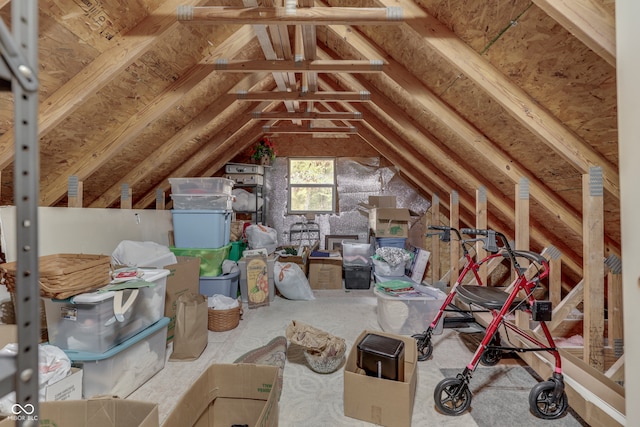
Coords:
pixel 18 71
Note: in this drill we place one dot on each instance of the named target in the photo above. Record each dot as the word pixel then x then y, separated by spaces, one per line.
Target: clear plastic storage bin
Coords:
pixel 410 315
pixel 356 253
pixel 210 185
pixel 124 368
pixel 202 201
pixel 95 322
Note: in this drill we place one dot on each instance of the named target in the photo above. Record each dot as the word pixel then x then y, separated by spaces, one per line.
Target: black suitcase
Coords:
pixel 381 356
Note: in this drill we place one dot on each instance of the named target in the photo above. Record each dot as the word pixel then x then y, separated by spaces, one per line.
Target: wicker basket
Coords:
pixel 65 275
pixel 224 320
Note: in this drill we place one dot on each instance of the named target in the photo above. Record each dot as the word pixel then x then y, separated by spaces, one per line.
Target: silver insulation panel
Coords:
pixel 357 178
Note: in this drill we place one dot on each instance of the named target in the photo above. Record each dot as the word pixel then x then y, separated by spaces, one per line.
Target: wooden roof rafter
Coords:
pixel 519 104
pixel 588 21
pixel 485 148
pixel 53 189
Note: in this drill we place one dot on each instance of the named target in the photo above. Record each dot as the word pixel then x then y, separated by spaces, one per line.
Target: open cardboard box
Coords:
pixel 107 412
pixel 68 388
pixel 229 394
pixel 378 400
pixel 389 222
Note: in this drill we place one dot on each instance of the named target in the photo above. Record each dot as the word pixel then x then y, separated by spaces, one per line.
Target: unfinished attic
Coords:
pixel 494 118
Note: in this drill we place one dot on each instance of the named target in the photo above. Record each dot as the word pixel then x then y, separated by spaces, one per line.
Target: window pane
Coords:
pixel 317 199
pixel 316 171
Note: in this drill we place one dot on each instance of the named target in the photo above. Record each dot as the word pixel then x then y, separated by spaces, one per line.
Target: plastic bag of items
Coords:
pixel 390 261
pixel 261 236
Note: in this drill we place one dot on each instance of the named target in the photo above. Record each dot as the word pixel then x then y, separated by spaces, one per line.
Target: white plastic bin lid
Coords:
pixel 86 356
pixel 95 297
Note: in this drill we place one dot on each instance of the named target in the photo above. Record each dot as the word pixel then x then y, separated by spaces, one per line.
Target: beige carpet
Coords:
pixel 315 400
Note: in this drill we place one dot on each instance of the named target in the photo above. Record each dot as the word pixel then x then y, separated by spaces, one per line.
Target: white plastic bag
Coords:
pixel 262 236
pixel 291 281
pixel 53 365
pixel 142 254
pixel 245 201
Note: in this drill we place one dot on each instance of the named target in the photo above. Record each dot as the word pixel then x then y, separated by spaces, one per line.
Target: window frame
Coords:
pixel 334 186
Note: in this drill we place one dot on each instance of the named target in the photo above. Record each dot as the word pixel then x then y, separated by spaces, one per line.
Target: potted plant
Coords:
pixel 264 152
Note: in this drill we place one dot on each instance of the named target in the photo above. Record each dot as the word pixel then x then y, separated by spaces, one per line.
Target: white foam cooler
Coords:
pixel 89 321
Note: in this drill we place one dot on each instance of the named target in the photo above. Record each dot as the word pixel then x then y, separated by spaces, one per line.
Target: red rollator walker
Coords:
pixel 547 399
pixel 423 340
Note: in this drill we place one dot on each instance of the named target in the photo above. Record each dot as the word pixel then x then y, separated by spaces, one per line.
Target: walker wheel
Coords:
pixel 425 347
pixel 452 396
pixel 542 403
pixel 490 357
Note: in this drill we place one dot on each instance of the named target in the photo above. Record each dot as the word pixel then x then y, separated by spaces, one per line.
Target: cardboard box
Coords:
pixel 382 201
pixel 325 272
pixel 229 394
pixel 103 412
pixel 302 260
pixel 184 276
pixel 68 388
pixel 419 264
pixel 389 222
pixel 378 400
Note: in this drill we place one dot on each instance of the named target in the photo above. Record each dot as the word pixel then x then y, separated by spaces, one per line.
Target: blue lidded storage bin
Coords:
pixel 201 228
pixel 395 242
pixel 226 284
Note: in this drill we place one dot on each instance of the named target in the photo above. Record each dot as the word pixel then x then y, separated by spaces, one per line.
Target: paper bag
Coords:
pixel 191 332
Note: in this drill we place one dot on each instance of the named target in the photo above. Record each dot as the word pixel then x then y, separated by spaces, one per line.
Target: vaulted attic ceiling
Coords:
pixel 458 95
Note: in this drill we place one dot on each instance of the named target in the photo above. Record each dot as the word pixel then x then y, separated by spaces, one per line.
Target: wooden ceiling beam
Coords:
pixel 362 96
pixel 518 103
pixel 588 21
pixel 309 129
pixel 320 66
pixel 282 15
pixel 307 115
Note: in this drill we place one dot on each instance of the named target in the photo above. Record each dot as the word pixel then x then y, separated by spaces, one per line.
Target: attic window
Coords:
pixel 312 185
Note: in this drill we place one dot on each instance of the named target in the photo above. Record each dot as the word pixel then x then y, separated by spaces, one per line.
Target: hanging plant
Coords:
pixel 264 151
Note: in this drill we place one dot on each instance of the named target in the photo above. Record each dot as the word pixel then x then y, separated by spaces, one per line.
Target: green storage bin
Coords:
pixel 236 250
pixel 210 259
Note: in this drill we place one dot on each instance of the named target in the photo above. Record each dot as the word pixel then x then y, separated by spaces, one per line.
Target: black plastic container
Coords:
pixel 357 276
pixel 381 356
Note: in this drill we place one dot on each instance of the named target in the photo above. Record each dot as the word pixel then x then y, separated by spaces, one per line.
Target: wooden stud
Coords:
pixel 555 276
pixel 481 224
pixel 615 327
pixel 125 197
pixel 454 222
pixel 74 192
pixel 593 255
pixel 160 200
pixel 435 241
